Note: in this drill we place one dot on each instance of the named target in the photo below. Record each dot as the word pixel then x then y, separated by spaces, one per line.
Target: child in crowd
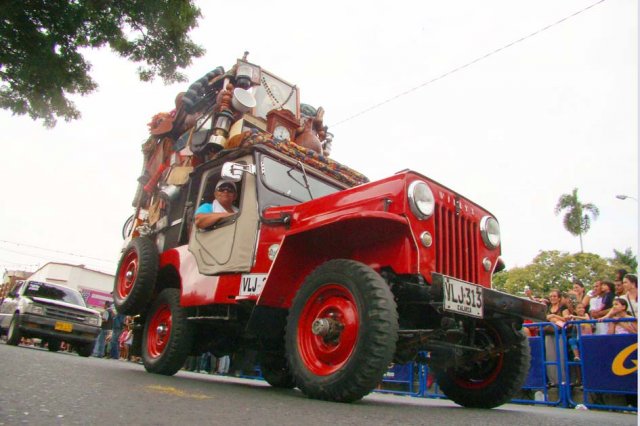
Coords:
pixel 619 311
pixel 124 347
pixel 580 315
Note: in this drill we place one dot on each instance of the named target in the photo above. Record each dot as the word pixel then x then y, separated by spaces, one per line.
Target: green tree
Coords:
pixel 41 43
pixel 554 269
pixel 626 260
pixel 577 218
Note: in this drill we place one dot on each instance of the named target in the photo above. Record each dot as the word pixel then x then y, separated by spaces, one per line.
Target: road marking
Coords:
pixel 176 392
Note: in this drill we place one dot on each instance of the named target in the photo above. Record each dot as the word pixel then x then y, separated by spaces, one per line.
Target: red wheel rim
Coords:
pixel 320 355
pixel 159 331
pixel 487 371
pixel 128 273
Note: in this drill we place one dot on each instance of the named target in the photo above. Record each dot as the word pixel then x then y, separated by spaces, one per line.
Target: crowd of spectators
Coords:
pixel 116 336
pixel 207 363
pixel 606 302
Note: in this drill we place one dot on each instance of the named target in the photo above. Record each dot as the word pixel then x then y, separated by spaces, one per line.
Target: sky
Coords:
pixel 509 103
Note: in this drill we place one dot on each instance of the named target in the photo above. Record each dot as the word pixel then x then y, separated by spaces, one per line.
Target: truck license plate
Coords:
pixel 64 326
pixel 462 298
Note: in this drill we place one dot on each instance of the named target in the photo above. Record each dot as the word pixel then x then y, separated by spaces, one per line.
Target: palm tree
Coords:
pixel 576 219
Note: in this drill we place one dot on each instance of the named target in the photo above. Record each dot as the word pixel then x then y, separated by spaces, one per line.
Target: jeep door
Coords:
pixel 230 245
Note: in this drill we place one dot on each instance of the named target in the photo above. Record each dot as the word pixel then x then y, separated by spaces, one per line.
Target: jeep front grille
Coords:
pixel 456 245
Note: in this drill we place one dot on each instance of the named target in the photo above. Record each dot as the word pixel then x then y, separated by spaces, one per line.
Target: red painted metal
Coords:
pixel 377 240
pixel 370 223
pixel 320 355
pixel 457 245
pixel 159 331
pixel 125 281
pixel 198 289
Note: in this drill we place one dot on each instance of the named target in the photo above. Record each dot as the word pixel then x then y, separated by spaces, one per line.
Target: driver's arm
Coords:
pixel 205 220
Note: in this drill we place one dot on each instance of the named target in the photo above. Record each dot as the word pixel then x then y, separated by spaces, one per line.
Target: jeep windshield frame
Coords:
pixel 288 183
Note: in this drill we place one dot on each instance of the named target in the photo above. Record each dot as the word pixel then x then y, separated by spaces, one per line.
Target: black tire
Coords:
pixel 53 345
pixel 494 381
pixel 276 372
pixel 13 333
pixel 168 335
pixel 85 349
pixel 127 228
pixel 196 92
pixel 346 362
pixel 136 276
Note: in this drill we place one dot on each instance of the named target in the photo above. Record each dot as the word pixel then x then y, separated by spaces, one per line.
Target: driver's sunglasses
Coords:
pixel 225 189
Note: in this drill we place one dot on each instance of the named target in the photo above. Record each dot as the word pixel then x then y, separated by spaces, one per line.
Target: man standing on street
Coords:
pixel 107 322
pixel 118 325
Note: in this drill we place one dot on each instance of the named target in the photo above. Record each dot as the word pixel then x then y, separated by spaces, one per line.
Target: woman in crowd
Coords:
pixel 577 292
pixel 557 311
pixel 557 314
pixel 630 283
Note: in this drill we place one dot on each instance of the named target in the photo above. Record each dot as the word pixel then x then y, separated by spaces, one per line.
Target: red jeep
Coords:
pixel 327 277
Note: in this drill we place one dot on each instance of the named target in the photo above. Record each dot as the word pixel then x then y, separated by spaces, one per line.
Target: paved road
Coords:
pixel 42 388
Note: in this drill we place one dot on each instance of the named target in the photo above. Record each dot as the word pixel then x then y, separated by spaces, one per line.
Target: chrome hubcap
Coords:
pixel 161 330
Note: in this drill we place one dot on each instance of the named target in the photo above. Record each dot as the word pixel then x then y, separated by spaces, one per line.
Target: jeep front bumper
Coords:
pixel 468 299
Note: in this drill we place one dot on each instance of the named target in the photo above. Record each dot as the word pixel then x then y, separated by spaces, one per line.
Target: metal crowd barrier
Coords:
pixel 607 368
pixel 403 379
pixel 545 382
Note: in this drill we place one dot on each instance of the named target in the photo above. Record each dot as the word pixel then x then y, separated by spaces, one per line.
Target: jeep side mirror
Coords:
pixel 233 171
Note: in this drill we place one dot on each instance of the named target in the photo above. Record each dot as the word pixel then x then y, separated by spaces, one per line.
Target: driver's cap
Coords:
pixel 226 184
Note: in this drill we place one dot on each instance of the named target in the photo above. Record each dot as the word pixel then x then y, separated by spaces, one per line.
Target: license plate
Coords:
pixel 252 284
pixel 462 298
pixel 64 326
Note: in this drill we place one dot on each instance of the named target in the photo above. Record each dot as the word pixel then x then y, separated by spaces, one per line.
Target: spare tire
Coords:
pixel 136 276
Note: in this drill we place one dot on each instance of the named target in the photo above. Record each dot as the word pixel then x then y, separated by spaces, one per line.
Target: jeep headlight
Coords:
pixel 490 230
pixel 421 199
pixel 93 320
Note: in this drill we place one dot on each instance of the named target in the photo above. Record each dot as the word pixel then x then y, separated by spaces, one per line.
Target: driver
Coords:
pixel 222 206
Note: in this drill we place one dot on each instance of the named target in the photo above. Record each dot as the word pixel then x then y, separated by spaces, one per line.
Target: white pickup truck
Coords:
pixel 51 312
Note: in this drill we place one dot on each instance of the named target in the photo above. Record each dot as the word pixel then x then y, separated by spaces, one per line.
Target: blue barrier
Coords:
pixel 608 364
pixel 545 372
pixel 431 388
pixel 551 361
pixel 409 376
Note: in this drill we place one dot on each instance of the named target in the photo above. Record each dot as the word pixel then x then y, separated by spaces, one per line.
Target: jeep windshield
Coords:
pixel 53 292
pixel 290 181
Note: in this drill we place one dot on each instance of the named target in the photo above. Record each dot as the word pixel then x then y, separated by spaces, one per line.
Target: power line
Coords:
pixel 24 254
pixel 54 251
pixel 468 64
pixel 18 265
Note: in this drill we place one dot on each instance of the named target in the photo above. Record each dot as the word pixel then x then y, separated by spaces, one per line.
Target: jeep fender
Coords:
pixel 378 239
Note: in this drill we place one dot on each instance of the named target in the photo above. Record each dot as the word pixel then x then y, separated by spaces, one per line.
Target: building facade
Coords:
pixel 9 279
pixel 95 286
